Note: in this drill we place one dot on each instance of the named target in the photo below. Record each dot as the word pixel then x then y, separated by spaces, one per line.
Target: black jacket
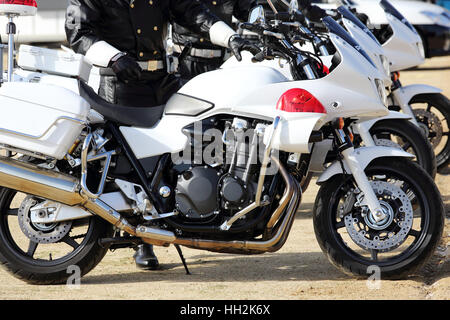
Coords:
pixel 224 9
pixel 137 27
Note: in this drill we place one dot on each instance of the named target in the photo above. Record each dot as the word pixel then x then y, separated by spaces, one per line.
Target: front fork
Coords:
pixel 369 198
pixel 397 97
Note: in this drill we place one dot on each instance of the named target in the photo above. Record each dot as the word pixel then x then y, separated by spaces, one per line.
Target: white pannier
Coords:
pixel 55 62
pixel 41 118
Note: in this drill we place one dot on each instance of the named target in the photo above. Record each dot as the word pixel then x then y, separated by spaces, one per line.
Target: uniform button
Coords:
pixel 155 28
pixel 139 31
pixel 155 53
pixel 141 54
pixel 132 5
pixel 201 39
pixel 150 2
pixel 214 3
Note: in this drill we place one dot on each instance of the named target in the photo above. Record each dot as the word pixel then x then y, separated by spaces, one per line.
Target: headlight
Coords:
pixel 421 49
pixel 386 64
pixel 381 91
pixel 441 19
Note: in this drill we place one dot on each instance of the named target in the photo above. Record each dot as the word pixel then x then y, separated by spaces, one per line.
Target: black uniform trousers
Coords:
pixel 191 67
pixel 153 89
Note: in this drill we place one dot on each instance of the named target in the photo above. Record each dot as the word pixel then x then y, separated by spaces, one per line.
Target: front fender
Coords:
pixel 359 126
pixel 406 93
pixel 364 156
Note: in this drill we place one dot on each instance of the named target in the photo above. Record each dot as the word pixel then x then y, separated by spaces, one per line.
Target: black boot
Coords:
pixel 145 258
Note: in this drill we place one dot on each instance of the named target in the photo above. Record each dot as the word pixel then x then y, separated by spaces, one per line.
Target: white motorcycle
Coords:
pixel 78 182
pixel 427 106
pixel 395 129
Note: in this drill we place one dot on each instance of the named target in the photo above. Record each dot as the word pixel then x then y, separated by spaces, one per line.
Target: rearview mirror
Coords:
pixel 256 15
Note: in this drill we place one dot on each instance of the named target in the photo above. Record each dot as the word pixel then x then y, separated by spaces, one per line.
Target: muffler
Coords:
pixel 30 179
pixel 55 186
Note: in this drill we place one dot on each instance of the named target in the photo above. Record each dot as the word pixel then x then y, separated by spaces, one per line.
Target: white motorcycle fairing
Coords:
pixel 253 91
pixel 373 49
pixel 404 48
pixel 363 156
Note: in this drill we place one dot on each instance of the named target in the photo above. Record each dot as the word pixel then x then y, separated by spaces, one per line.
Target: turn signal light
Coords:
pixel 299 100
pixel 395 76
pixel 341 123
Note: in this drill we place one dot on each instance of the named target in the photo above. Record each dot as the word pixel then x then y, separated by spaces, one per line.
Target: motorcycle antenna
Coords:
pixel 2 47
pixel 12 9
pixel 272 6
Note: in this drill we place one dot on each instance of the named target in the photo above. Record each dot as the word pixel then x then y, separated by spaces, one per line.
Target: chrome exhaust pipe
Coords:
pixel 276 232
pixel 28 178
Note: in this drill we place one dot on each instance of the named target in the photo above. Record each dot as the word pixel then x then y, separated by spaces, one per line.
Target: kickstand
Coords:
pixel 180 253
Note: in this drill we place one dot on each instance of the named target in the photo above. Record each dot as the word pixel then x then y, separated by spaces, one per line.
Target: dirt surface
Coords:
pixel 298 271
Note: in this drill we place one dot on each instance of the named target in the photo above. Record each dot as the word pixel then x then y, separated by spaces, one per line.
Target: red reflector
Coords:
pixel 31 3
pixel 299 100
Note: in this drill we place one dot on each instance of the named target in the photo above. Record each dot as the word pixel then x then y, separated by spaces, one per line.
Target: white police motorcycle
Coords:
pixel 77 184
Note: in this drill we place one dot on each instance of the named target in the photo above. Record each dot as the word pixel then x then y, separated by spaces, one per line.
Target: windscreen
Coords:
pixel 389 8
pixel 347 14
pixel 335 28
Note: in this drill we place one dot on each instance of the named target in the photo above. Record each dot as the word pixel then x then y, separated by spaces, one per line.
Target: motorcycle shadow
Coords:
pixel 213 267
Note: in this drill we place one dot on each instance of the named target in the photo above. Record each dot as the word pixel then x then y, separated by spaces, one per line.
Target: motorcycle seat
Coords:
pixel 123 115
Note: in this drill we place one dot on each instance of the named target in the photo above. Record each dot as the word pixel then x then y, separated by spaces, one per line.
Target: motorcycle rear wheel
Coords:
pixel 48 263
pixel 356 245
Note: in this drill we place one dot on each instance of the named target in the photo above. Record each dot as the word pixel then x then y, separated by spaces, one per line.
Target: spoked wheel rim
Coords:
pixel 32 252
pixel 383 251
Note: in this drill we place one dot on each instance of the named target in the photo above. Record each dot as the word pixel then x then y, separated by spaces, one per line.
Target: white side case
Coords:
pixel 55 62
pixel 41 118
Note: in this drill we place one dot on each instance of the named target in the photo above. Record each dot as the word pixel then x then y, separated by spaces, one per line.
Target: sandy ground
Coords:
pixel 298 271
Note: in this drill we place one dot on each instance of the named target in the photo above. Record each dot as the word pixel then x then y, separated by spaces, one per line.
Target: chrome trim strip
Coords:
pixel 46 131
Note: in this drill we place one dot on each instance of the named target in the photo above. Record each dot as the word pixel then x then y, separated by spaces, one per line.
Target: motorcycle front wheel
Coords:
pixel 432 112
pixel 398 245
pixel 47 253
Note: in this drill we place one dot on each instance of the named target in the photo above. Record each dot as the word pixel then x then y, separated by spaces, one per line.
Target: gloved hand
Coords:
pixel 126 69
pixel 314 13
pixel 237 44
pixel 311 11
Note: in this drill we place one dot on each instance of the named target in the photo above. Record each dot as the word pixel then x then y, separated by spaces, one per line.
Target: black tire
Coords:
pixel 442 104
pixel 351 261
pixel 42 272
pixel 413 141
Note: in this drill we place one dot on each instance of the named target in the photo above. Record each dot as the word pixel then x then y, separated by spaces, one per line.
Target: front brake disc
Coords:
pixel 390 233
